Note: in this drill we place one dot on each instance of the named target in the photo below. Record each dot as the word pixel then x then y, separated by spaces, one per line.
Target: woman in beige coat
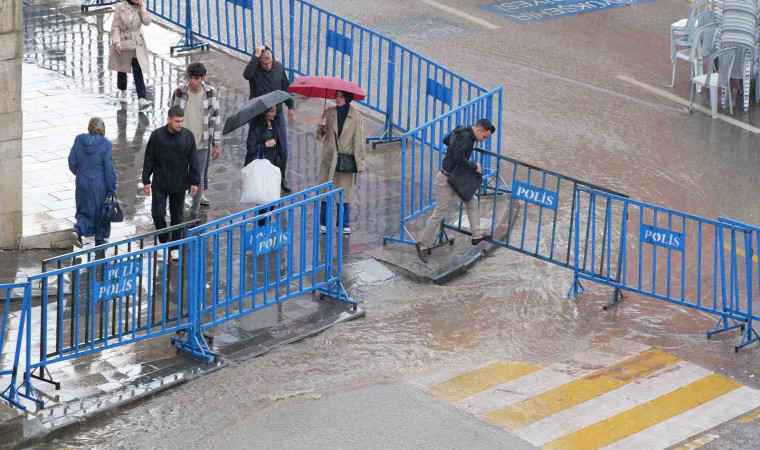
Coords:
pixel 340 131
pixel 129 54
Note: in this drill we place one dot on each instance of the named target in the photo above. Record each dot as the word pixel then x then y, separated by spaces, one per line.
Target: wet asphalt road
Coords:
pixel 565 108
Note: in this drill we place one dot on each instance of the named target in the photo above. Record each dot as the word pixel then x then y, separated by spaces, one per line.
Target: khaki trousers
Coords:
pixel 444 196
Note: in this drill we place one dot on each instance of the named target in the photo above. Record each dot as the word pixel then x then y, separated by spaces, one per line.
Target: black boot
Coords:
pixel 479 240
pixel 284 185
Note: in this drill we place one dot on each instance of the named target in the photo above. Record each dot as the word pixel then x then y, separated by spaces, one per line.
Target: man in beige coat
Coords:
pixel 129 53
pixel 340 131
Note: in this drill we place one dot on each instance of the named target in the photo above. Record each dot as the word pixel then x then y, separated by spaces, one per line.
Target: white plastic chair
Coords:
pixel 696 55
pixel 724 60
pixel 685 42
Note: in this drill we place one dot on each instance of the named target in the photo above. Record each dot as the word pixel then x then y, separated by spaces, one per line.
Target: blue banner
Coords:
pixel 266 238
pixel 120 279
pixel 529 11
pixel 535 195
pixel 659 236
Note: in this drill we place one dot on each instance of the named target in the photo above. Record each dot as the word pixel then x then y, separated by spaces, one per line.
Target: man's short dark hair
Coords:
pixel 176 111
pixel 486 125
pixel 196 69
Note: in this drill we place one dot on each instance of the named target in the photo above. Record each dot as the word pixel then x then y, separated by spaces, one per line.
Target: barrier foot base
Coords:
pixel 188 43
pixel 750 336
pixel 195 346
pixel 574 291
pixel 400 240
pixel 86 5
pixel 11 395
pixel 31 392
pixel 616 297
pixel 337 292
pixel 384 135
pixel 41 377
pixel 723 325
pixel 441 240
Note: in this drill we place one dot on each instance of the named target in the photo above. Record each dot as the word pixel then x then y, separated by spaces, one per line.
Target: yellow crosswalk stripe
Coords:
pixel 644 416
pixel 578 391
pixel 480 380
pixel 750 417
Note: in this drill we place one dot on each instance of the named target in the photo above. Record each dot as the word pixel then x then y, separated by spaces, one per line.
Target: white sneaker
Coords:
pixel 143 104
pixel 175 255
pixel 346 230
pixel 323 229
pixel 204 200
pixel 122 96
pixel 77 239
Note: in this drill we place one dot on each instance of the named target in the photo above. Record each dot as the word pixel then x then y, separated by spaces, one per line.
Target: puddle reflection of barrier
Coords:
pixel 250 260
pixel 667 255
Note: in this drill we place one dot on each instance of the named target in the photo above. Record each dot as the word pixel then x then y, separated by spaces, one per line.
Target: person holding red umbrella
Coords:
pixel 341 132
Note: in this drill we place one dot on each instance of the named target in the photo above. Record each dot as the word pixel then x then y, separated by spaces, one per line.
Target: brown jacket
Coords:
pixel 351 141
pixel 127 23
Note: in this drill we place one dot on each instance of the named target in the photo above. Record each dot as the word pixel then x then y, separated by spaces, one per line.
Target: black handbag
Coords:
pixel 112 210
pixel 465 180
pixel 346 162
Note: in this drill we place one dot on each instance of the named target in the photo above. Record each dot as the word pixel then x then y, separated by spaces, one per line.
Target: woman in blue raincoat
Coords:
pixel 90 160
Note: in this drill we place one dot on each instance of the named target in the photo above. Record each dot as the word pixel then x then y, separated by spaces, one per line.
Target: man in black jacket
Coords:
pixel 171 159
pixel 460 144
pixel 266 75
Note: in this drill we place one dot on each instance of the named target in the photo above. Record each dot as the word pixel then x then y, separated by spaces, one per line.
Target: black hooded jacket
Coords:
pixel 263 82
pixel 460 144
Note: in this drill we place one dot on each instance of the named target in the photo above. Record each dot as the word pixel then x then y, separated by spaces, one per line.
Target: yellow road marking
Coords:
pixel 739 252
pixel 750 417
pixel 696 443
pixel 578 391
pixel 644 416
pixel 480 380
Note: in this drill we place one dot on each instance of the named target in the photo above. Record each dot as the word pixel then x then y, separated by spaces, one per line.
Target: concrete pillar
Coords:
pixel 11 119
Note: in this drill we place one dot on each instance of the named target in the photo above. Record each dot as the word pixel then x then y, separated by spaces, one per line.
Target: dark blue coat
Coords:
pixel 90 160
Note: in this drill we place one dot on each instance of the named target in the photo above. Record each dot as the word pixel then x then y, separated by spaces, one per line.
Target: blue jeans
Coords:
pixel 346 214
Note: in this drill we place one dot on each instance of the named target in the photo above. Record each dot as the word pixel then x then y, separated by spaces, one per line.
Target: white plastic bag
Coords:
pixel 261 182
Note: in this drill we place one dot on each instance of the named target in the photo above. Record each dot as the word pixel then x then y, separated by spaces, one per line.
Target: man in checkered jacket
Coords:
pixel 201 105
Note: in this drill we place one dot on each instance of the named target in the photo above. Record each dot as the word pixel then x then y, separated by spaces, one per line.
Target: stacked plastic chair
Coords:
pixel 738 24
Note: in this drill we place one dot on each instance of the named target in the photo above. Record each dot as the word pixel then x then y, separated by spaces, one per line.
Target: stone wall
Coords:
pixel 11 123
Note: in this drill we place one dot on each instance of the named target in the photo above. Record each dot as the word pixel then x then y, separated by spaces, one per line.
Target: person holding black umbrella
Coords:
pixel 341 132
pixel 266 75
pixel 460 144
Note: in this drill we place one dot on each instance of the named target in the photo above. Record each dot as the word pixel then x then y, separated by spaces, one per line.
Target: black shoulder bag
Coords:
pixel 346 162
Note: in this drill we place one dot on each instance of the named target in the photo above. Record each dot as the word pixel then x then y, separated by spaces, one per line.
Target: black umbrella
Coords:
pixel 254 107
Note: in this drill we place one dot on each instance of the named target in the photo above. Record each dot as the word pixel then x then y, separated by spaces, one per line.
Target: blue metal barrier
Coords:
pixel 538 218
pixel 114 301
pixel 260 209
pixel 407 88
pixel 270 258
pixel 422 151
pixel 697 265
pixel 251 260
pixel 9 293
pixel 747 313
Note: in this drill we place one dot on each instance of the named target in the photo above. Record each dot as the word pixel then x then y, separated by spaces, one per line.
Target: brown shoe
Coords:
pixel 421 253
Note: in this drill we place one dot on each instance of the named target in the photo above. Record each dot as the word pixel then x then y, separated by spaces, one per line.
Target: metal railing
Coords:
pixel 667 255
pixel 9 292
pixel 250 260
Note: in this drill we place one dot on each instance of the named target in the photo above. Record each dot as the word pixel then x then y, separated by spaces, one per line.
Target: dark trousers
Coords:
pixel 346 214
pixel 121 79
pixel 282 126
pixel 158 211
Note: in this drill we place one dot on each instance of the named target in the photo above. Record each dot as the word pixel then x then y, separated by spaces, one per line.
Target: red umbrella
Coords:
pixel 324 87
